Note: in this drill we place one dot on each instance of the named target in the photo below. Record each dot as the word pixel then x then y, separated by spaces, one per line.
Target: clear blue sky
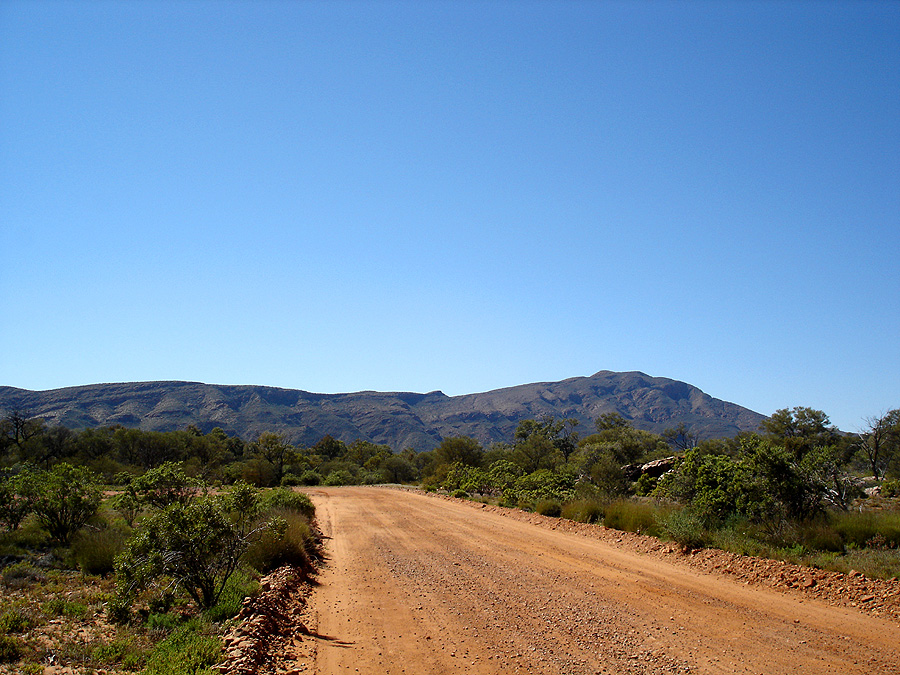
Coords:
pixel 337 196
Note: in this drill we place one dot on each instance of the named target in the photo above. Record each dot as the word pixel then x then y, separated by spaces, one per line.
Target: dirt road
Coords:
pixel 417 584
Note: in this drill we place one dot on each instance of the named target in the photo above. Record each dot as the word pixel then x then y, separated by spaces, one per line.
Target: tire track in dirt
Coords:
pixel 416 584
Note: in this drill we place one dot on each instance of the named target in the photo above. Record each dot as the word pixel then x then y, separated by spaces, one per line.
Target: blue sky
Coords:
pixel 338 196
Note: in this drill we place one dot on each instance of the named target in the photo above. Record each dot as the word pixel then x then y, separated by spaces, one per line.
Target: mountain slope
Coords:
pixel 398 419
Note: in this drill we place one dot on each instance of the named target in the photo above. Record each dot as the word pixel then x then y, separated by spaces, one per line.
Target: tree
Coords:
pixel 15 503
pixel 198 545
pixel 611 421
pixel 164 485
pixel 459 449
pixel 880 442
pixel 63 498
pixel 560 433
pixel 329 448
pixel 680 437
pixel 274 449
pixel 800 429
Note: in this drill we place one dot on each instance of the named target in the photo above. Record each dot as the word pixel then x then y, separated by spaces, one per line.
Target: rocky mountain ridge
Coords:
pixel 398 419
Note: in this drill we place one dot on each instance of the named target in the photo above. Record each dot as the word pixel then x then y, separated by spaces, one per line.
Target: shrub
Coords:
pixel 310 477
pixel 64 498
pixel 286 499
pixel 60 607
pixel 890 488
pixel 548 507
pixel 584 510
pixel 187 651
pixel 17 620
pixel 238 587
pixel 339 477
pixel 9 649
pixel 685 527
pixel 858 528
pixel 15 503
pixel 163 485
pixel 630 516
pixel 94 550
pixel 291 545
pixel 198 545
pixel 460 494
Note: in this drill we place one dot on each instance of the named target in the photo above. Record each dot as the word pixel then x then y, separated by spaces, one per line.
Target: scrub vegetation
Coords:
pixel 136 548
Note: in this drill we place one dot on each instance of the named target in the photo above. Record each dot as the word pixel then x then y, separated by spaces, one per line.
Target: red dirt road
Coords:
pixel 422 585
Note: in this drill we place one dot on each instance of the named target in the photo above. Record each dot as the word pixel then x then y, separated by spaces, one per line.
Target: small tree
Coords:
pixel 14 503
pixel 880 442
pixel 64 498
pixel 196 546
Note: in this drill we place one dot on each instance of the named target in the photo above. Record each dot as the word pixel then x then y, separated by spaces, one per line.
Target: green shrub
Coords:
pixel 292 546
pixel 460 494
pixel 290 480
pixel 17 620
pixel 63 498
pixel 631 516
pixel 817 535
pixel 239 586
pixel 121 651
pixel 857 529
pixel 890 488
pixel 189 650
pixel 339 477
pixel 67 608
pixel 584 510
pixel 9 649
pixel 287 500
pixel 94 550
pixel 164 622
pixel 548 507
pixel 197 545
pixel 685 527
pixel 310 477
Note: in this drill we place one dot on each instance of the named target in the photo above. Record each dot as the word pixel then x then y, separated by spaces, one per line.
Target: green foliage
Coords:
pixel 339 477
pixel 17 619
pixel 798 430
pixel 685 527
pixel 877 529
pixel 548 507
pixel 189 650
pixel 15 502
pixel 10 650
pixel 66 608
pixel 197 545
pixel 542 484
pixel 631 516
pixel 283 498
pixel 94 550
pixel 586 510
pixel 163 485
pixel 459 450
pixel 460 494
pixel 239 586
pixel 764 483
pixel 890 488
pixel 310 477
pixel 64 498
pixel 291 544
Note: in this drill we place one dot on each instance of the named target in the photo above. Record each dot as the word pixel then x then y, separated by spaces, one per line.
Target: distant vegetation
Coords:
pixel 177 525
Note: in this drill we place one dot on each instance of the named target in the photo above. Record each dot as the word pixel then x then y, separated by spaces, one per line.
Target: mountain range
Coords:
pixel 398 419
